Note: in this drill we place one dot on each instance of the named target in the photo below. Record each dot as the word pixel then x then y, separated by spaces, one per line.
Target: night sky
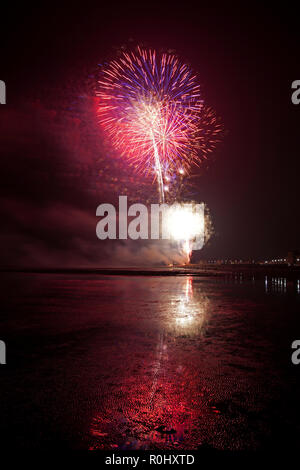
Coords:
pixel 55 169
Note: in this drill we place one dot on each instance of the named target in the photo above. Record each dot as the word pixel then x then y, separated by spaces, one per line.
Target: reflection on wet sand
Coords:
pixel 199 382
pixel 164 420
pixel 138 361
pixel 190 311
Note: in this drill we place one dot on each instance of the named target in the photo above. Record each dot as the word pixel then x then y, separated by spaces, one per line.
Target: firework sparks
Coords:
pixel 184 224
pixel 152 110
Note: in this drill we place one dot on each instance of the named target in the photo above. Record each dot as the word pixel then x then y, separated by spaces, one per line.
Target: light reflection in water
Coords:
pixel 152 414
pixel 281 285
pixel 189 313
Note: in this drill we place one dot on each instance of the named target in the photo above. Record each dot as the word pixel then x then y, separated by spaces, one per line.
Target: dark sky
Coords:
pixel 55 171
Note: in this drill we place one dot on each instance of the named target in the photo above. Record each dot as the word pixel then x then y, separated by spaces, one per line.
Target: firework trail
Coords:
pixel 152 110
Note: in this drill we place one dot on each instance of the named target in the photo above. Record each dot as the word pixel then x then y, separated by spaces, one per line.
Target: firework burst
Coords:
pixel 153 112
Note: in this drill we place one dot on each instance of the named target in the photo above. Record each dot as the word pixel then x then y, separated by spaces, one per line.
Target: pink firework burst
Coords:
pixel 153 112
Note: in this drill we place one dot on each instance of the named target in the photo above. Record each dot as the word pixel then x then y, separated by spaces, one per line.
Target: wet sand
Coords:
pixel 102 361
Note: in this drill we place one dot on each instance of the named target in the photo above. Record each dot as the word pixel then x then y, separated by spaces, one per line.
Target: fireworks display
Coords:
pixel 152 110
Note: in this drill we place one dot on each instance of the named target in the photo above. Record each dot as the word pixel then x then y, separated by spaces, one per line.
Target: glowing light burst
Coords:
pixel 151 108
pixel 185 224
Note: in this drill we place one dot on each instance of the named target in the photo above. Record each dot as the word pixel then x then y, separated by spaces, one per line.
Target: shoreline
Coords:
pixel 259 271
